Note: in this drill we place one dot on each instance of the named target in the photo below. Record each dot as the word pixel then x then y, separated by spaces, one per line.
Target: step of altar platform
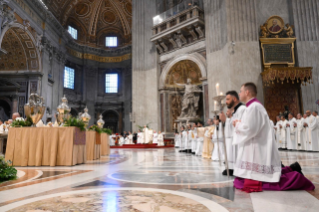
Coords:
pixel 141 146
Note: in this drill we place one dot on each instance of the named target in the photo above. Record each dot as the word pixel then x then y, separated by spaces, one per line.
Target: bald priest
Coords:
pixel 258 165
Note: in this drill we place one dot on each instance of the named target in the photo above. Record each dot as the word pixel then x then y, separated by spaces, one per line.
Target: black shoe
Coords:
pixel 231 172
pixel 193 153
pixel 189 151
pixel 296 167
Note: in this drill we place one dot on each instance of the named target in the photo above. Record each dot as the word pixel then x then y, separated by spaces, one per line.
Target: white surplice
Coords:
pixel 218 140
pixel 258 157
pixel 230 148
pixel 292 139
pixel 160 140
pixel 184 140
pixel 301 134
pixel 313 133
pixel 200 140
pixel 189 139
pixel 194 140
pixel 155 137
pixel 146 135
pixel 283 134
pixel 177 140
pixel 140 138
pixel 278 133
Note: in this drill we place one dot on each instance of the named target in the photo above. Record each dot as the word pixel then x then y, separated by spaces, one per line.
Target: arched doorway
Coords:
pixel 5 110
pixel 174 74
pixel 111 120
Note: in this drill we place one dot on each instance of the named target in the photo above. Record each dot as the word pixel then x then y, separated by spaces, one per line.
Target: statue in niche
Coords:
pixel 190 100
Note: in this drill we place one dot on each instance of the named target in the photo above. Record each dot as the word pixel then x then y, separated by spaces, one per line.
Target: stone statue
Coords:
pixel 190 100
pixel 289 30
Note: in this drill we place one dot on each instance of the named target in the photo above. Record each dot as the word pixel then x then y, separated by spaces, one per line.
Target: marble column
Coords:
pixel 145 71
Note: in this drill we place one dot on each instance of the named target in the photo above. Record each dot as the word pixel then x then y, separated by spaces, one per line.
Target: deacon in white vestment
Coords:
pixel 140 137
pixel 258 165
pixel 277 130
pixel 218 141
pixel 189 139
pixel 177 140
pixel 160 139
pixel 194 138
pixel 292 141
pixel 313 131
pixel 258 157
pixel 307 138
pixel 146 135
pixel 230 148
pixel 300 133
pixel 155 135
pixel 284 133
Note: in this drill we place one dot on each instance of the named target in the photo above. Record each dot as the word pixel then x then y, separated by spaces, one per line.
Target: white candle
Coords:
pixel 215 105
pixel 221 93
pixel 217 89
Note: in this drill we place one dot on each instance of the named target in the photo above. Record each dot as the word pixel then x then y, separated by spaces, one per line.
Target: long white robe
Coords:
pixel 177 140
pixel 301 134
pixel 130 139
pixel 313 133
pixel 184 140
pixel 200 140
pixel 194 140
pixel 283 134
pixel 146 135
pixel 189 139
pixel 112 139
pixel 155 137
pixel 292 139
pixel 121 141
pixel 278 133
pixel 160 140
pixel 218 140
pixel 230 148
pixel 258 157
pixel 140 138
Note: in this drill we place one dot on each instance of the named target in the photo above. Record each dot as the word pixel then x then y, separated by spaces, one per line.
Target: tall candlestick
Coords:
pixel 215 105
pixel 217 89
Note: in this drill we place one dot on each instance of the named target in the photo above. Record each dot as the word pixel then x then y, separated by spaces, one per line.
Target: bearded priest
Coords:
pixel 258 166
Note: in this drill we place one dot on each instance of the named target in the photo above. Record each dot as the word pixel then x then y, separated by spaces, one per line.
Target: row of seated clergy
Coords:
pixel 301 133
pixel 151 137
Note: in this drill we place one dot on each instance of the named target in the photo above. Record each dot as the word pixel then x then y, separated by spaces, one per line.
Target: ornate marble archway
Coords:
pixel 194 57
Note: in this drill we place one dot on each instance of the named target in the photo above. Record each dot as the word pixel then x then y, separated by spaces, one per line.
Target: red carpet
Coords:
pixel 140 146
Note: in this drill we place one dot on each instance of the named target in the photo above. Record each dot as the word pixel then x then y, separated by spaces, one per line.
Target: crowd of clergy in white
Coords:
pixel 300 133
pixel 220 134
pixel 145 136
pixel 208 142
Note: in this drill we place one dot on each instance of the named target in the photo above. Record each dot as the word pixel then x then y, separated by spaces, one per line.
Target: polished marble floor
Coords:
pixel 155 180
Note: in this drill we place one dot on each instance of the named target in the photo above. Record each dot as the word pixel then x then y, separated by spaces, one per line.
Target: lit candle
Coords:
pixel 217 89
pixel 221 93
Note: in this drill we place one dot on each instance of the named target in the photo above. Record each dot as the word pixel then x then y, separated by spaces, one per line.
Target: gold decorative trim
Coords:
pixel 303 75
pixel 99 58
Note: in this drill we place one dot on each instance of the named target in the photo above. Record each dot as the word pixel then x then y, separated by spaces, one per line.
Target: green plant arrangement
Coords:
pixel 19 123
pixel 7 172
pixel 107 131
pixel 142 127
pixel 96 129
pixel 74 122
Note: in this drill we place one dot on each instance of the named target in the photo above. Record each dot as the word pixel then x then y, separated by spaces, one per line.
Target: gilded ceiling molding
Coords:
pixel 125 24
pixel 99 58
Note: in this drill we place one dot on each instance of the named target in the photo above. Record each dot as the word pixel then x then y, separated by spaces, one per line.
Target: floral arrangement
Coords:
pixel 74 122
pixel 99 130
pixel 7 172
pixel 22 123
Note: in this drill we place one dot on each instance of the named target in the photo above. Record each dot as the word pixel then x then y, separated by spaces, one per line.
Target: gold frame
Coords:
pixel 282 24
pixel 278 41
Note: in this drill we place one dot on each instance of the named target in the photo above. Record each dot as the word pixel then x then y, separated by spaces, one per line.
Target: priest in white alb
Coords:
pixel 277 130
pixel 300 133
pixel 258 166
pixel 146 135
pixel 312 131
pixel 292 141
